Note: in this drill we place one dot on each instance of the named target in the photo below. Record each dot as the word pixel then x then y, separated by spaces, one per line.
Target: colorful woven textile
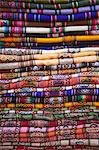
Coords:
pixel 49 75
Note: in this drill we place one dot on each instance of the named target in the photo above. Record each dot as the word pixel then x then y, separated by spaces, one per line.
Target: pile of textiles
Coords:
pixel 49 75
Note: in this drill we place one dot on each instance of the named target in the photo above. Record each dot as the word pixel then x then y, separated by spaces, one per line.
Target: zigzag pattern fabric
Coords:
pixel 49 75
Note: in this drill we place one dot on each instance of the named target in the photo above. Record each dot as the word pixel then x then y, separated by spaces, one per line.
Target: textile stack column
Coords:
pixel 49 75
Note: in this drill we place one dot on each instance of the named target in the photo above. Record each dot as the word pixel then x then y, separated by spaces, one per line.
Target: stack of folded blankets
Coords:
pixel 49 75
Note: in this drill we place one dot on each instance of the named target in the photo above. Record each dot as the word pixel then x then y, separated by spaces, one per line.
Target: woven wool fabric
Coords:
pixel 49 75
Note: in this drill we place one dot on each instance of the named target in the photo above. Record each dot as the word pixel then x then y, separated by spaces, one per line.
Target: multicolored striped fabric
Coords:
pixel 49 75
